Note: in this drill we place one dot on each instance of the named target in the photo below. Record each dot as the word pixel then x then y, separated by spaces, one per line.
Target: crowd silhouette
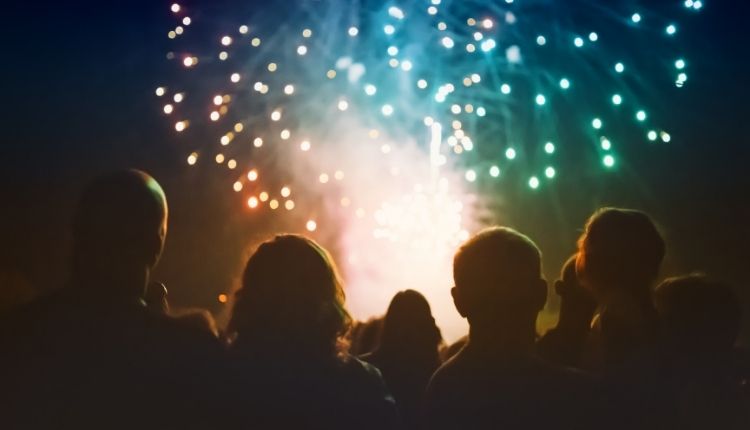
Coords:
pixel 107 351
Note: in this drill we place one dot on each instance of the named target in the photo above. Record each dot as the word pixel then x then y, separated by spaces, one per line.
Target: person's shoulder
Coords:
pixel 451 369
pixel 365 378
pixel 179 333
pixel 448 381
pixel 362 369
pixel 373 359
pixel 369 401
pixel 444 394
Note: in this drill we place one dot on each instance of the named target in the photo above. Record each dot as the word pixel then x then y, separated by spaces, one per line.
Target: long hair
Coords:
pixel 291 300
pixel 409 329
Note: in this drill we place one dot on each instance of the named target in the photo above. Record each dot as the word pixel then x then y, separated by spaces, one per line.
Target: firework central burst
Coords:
pixel 375 121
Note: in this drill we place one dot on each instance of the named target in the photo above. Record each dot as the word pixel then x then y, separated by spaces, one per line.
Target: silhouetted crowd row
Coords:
pixel 105 351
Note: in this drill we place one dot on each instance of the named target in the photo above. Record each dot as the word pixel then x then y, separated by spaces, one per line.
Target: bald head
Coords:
pixel 120 221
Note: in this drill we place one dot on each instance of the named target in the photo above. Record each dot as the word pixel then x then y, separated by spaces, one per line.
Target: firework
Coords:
pixel 381 118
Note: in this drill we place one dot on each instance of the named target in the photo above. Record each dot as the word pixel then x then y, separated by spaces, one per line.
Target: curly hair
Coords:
pixel 291 299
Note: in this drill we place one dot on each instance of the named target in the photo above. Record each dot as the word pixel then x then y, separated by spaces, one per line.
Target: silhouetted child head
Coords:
pixel 291 298
pixel 498 277
pixel 620 251
pixel 120 223
pixel 409 325
pixel 700 317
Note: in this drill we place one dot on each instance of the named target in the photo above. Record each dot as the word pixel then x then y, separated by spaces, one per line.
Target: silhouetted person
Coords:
pixel 700 324
pixel 619 256
pixel 564 343
pixel 157 301
pixel 288 359
pixel 496 381
pixel 408 351
pixel 92 355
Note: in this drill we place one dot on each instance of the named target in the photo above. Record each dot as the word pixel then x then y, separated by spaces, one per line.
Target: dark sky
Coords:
pixel 77 85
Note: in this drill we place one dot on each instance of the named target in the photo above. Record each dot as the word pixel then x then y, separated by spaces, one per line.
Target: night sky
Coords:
pixel 77 86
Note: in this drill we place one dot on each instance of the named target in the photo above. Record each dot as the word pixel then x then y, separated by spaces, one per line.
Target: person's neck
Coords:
pixel 622 304
pixel 110 285
pixel 512 338
pixel 571 322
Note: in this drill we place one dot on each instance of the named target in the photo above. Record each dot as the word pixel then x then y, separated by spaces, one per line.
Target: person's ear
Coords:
pixel 459 301
pixel 155 248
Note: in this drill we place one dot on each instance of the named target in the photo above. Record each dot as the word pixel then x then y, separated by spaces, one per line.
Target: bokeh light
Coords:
pixel 398 123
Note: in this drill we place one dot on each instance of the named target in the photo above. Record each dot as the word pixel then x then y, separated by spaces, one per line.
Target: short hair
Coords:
pixel 291 295
pixel 620 247
pixel 698 312
pixel 494 262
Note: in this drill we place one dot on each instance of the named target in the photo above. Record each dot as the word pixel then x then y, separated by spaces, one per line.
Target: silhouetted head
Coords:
pixel 409 328
pixel 700 317
pixel 620 251
pixel 498 278
pixel 120 224
pixel 576 303
pixel 291 300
